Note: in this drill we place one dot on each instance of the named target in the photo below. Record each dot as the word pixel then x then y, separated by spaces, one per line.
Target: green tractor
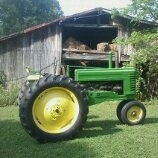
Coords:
pixel 53 108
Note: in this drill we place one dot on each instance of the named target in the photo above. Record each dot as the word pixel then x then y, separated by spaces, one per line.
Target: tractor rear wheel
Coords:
pixel 133 113
pixel 25 86
pixel 22 91
pixel 53 108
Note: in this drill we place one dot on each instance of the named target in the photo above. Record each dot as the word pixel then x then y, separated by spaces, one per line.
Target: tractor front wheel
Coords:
pixel 133 113
pixel 119 108
pixel 53 108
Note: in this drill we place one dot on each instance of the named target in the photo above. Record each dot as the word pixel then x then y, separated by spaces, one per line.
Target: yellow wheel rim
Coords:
pixel 134 114
pixel 55 110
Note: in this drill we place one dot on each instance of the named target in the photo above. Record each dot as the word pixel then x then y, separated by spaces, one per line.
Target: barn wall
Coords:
pixel 39 49
pixel 124 31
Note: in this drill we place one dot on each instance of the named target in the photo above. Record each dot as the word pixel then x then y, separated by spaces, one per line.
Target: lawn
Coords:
pixel 103 137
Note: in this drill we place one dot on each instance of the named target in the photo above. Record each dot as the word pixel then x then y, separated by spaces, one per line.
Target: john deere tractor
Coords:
pixel 53 108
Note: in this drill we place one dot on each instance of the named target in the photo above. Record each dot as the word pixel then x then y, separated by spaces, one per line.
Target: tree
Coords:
pixel 16 15
pixel 143 9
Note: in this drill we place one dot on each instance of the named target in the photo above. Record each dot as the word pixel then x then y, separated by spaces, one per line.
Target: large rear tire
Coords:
pixel 26 86
pixel 53 108
pixel 22 91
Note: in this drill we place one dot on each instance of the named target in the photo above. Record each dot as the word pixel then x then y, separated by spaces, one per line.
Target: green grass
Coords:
pixel 102 137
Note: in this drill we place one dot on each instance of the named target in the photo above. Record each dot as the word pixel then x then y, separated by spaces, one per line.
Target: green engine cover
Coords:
pixel 125 75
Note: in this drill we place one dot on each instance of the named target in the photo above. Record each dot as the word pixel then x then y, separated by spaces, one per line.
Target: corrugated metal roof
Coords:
pixel 64 18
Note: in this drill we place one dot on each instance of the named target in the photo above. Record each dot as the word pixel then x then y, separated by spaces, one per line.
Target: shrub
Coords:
pixel 145 59
pixel 8 97
pixel 2 78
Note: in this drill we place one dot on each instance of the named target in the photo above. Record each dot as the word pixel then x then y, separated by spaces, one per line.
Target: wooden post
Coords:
pixel 110 59
pixel 116 60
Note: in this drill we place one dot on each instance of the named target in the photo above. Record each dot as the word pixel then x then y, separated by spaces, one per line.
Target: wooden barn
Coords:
pixel 79 39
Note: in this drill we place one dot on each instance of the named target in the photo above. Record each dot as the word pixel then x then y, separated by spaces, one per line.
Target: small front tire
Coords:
pixel 119 108
pixel 133 113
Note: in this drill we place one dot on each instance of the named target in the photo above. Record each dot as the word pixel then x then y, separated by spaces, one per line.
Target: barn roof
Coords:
pixel 95 12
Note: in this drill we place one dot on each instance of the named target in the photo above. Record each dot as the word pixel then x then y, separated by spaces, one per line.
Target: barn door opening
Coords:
pixel 88 44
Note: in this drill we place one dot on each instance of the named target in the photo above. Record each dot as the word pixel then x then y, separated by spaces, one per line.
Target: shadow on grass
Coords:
pixel 16 143
pixel 92 117
pixel 151 120
pixel 94 128
pixel 11 129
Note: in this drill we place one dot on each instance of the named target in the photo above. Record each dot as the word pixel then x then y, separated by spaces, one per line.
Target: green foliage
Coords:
pixel 145 44
pixel 2 78
pixel 144 58
pixel 8 97
pixel 16 15
pixel 114 13
pixel 142 10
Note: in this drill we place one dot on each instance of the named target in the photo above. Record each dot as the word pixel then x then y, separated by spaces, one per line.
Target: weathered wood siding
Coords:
pixel 126 50
pixel 37 49
pixel 40 47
